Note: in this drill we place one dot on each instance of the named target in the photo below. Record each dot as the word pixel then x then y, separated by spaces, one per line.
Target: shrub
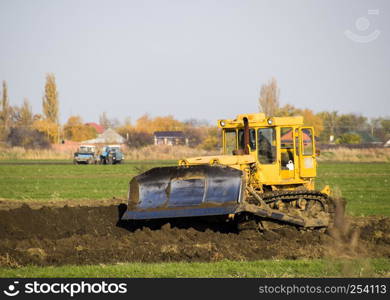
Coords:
pixel 137 139
pixel 349 138
pixel 28 138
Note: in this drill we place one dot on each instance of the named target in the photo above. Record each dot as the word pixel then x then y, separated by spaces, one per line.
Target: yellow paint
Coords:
pixel 260 120
pixel 326 190
pixel 227 160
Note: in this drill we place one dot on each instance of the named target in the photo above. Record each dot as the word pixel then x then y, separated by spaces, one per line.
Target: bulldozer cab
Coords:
pixel 283 148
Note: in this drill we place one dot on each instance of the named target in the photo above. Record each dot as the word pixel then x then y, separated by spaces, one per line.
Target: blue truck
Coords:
pixel 86 154
pixel 111 155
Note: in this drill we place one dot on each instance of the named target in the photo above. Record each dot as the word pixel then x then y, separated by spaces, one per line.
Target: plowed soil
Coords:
pixel 92 235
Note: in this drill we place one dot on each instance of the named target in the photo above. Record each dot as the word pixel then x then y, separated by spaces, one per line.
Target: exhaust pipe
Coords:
pixel 246 136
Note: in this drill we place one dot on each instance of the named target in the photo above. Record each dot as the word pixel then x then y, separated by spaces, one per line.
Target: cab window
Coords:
pixel 252 139
pixel 266 145
pixel 307 136
pixel 286 138
pixel 230 141
pixel 286 147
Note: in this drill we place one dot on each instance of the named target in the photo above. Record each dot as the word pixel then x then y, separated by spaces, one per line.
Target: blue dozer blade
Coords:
pixel 191 191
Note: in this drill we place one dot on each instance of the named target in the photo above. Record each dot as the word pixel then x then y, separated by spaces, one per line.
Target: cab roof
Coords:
pixel 259 119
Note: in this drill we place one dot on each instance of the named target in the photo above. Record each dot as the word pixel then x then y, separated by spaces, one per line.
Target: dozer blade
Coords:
pixel 192 191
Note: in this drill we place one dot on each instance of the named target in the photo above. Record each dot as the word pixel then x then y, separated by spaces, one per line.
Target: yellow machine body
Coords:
pixel 266 172
pixel 289 163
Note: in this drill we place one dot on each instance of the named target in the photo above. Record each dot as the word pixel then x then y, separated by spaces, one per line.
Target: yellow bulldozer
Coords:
pixel 265 174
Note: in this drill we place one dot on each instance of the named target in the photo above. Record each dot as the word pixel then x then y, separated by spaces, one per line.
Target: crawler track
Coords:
pixel 316 206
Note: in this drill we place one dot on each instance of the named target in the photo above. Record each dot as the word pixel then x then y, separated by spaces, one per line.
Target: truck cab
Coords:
pixel 86 154
pixel 111 154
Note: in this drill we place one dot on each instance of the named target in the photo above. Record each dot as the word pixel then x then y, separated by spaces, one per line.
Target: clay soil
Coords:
pixel 55 235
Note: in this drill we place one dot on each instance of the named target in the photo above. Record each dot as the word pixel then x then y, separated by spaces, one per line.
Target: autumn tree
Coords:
pixel 341 125
pixel 127 121
pixel 104 121
pixel 23 115
pixel 196 131
pixel 135 138
pixel 151 125
pixel 213 139
pixel 195 134
pixel 144 124
pixel 22 132
pixel 269 98
pixel 107 122
pixel 347 123
pixel 50 107
pixel 312 119
pixel 5 112
pixel 141 134
pixel 50 102
pixel 28 138
pixel 329 120
pixel 380 128
pixel 309 117
pixel 349 138
pixel 50 129
pixel 288 110
pixel 385 123
pixel 75 130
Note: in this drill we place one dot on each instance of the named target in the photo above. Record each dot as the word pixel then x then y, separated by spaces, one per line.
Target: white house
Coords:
pixel 107 137
pixel 387 144
pixel 170 138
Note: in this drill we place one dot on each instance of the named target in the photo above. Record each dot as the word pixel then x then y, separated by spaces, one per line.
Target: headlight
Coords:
pixel 222 123
pixel 270 121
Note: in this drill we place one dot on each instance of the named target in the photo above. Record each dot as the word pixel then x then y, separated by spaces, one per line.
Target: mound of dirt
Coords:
pixel 91 235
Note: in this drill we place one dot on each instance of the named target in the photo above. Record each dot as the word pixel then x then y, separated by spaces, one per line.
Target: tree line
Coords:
pixel 330 126
pixel 19 126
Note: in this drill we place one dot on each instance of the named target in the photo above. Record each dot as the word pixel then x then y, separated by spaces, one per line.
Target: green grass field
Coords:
pixel 366 186
pixel 239 269
pixel 66 181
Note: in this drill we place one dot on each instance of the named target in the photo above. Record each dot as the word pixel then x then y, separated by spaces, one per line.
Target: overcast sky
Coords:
pixel 197 59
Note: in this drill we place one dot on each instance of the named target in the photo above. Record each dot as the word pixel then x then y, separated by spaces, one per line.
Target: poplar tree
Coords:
pixel 5 109
pixel 26 117
pixel 50 99
pixel 5 114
